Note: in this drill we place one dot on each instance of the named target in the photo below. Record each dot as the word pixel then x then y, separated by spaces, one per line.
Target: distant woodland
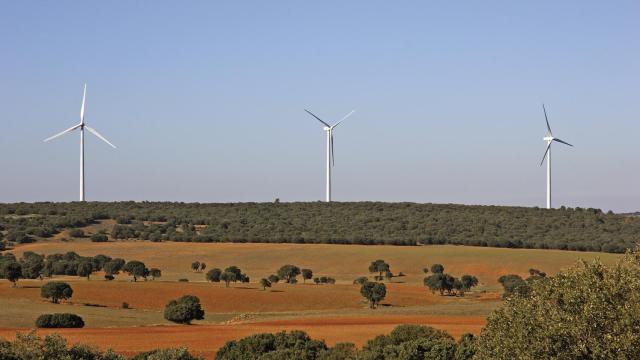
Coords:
pixel 368 223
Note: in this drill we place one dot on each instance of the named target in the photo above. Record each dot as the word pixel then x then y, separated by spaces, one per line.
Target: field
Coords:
pixel 335 313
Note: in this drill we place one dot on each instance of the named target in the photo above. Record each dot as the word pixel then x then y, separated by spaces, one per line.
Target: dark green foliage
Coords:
pixel 155 273
pixel 166 354
pixel 32 265
pixel 411 342
pixel 85 268
pixel 59 320
pixel 288 273
pixel 273 279
pixel 76 233
pixel 233 274
pixel 213 275
pixel 360 280
pixel 293 345
pixel 468 282
pixel 466 347
pixel 265 283
pixel 98 237
pixel 374 292
pixel 195 266
pixel 307 274
pixel 136 269
pixel 380 267
pixel 437 268
pixel 10 270
pixel 56 291
pixel 184 310
pixel 340 223
pixel 440 282
pixel 514 284
pixel 324 280
pixel 113 267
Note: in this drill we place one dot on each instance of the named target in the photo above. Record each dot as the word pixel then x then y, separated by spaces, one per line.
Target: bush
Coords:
pixel 184 310
pixel 56 291
pixel 99 237
pixel 183 280
pixel 76 233
pixel 59 320
pixel 293 345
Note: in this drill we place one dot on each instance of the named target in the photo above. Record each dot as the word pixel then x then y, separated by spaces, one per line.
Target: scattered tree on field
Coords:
pixel 213 275
pixel 380 267
pixel 273 279
pixel 184 310
pixel 374 292
pixel 113 267
pixel 155 273
pixel 437 269
pixel 11 270
pixel 32 265
pixel 195 266
pixel 202 266
pixel 56 291
pixel 288 273
pixel 307 274
pixel 136 269
pixel 360 280
pixel 265 283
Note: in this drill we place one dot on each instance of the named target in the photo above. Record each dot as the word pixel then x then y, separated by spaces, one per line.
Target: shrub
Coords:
pixel 59 320
pixel 76 233
pixel 183 280
pixel 293 345
pixel 184 310
pixel 98 237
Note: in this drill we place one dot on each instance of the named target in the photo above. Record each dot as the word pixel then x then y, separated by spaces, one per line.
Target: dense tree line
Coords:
pixel 339 223
pixel 34 266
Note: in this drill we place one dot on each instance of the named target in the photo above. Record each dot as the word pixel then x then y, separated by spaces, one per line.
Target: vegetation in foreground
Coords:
pixel 335 223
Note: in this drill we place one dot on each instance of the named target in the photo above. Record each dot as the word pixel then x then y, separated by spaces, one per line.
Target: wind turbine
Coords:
pixel 330 155
pixel 81 126
pixel 547 154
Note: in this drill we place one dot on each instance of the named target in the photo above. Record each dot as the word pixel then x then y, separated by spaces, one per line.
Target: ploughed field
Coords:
pixel 336 313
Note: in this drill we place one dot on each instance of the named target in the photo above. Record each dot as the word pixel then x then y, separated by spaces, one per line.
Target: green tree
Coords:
pixel 307 274
pixel 99 237
pixel 288 273
pixel 469 282
pixel 12 271
pixel 273 279
pixel 374 292
pixel 265 283
pixel 56 291
pixel 360 280
pixel 195 266
pixel 202 266
pixel 32 265
pixel 85 268
pixel 155 273
pixel 228 277
pixel 184 310
pixel 590 311
pixel 136 269
pixel 293 345
pixel 213 275
pixel 437 269
pixel 113 267
pixel 380 267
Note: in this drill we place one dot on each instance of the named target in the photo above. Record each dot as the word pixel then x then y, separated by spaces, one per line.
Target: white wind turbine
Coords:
pixel 82 126
pixel 547 154
pixel 330 155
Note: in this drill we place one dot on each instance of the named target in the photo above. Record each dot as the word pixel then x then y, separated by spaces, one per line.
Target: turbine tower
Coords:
pixel 330 155
pixel 81 126
pixel 547 154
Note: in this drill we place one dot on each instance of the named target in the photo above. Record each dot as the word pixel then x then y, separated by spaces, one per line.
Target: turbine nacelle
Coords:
pixel 548 138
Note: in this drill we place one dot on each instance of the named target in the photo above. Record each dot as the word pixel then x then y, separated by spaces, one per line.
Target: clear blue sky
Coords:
pixel 205 100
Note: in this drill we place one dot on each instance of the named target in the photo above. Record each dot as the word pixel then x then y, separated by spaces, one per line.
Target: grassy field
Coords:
pixel 333 312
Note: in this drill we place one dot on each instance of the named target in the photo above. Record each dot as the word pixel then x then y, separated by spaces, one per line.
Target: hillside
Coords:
pixel 337 223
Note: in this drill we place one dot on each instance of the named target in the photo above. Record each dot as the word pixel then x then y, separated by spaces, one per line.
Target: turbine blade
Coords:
pixel 333 159
pixel 545 154
pixel 94 132
pixel 312 114
pixel 344 118
pixel 62 132
pixel 560 141
pixel 84 97
pixel 546 119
